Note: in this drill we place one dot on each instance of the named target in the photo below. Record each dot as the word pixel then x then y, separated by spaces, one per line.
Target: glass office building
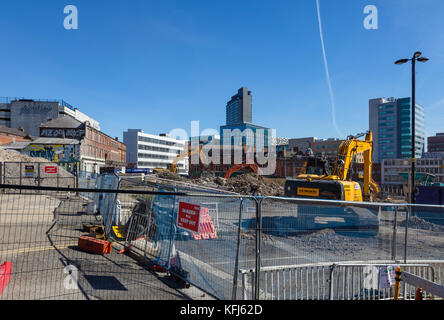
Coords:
pixel 390 121
pixel 239 108
pixel 245 134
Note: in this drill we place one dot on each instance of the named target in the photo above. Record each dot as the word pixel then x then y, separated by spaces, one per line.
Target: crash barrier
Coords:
pixel 45 174
pixel 367 280
pixel 250 233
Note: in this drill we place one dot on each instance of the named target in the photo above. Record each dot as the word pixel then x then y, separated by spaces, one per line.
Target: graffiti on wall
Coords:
pixel 77 133
pixel 54 152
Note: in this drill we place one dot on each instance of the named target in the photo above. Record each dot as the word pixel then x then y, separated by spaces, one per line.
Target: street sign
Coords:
pixel 188 216
pixel 50 169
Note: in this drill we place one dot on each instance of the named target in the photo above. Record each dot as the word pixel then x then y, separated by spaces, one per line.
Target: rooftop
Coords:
pixel 62 122
pixel 59 101
pixel 13 131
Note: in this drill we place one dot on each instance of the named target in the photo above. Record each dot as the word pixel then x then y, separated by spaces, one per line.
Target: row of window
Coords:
pixel 101 138
pixel 159 149
pixel 100 154
pixel 386 118
pixel 158 141
pixel 155 156
pixel 158 165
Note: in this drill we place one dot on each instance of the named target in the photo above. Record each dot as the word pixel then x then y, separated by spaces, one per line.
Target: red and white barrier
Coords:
pixel 206 226
pixel 5 274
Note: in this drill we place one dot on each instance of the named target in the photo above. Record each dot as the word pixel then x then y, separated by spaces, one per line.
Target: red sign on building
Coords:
pixel 188 216
pixel 51 169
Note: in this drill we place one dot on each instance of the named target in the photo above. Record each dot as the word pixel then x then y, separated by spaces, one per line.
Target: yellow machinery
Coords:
pixel 319 183
pixel 173 166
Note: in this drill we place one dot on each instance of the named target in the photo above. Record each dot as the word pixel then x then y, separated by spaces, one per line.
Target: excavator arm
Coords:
pixel 347 151
pixel 254 167
pixel 173 166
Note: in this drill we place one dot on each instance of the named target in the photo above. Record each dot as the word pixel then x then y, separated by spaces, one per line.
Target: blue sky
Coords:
pixel 158 65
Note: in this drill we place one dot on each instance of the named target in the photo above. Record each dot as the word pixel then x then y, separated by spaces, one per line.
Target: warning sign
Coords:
pixel 51 169
pixel 29 171
pixel 188 216
pixel 386 277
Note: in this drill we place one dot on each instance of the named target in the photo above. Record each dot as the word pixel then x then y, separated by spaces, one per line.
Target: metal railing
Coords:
pixel 59 101
pixel 335 281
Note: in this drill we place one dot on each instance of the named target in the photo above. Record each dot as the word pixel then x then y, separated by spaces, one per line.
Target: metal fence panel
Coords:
pixel 46 260
pixel 209 259
pixel 298 233
pixel 42 174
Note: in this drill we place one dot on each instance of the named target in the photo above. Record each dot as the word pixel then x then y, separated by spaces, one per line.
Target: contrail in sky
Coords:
pixel 326 72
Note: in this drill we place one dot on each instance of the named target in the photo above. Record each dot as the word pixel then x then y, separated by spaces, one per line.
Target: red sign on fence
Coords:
pixel 51 169
pixel 188 216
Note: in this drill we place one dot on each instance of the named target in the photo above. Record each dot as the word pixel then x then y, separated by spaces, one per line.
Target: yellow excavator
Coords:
pixel 319 182
pixel 173 166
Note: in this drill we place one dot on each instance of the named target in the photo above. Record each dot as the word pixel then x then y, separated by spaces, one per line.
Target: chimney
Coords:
pixel 21 129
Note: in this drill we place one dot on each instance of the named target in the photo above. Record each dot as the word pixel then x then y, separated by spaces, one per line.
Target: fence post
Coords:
pixel 171 231
pixel 330 282
pixel 57 176
pixel 20 173
pixel 38 175
pixel 395 222
pixel 236 262
pixel 258 246
pixel 406 229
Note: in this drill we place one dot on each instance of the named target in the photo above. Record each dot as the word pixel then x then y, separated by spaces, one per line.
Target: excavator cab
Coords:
pixel 317 166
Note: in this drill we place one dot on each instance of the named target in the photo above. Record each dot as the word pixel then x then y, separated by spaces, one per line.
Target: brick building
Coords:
pixel 97 149
pixel 436 143
pixel 10 135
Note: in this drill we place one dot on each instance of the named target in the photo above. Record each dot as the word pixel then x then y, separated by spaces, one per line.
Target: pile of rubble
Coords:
pixel 245 184
pixel 14 156
pixel 171 176
pixel 251 183
pixel 418 223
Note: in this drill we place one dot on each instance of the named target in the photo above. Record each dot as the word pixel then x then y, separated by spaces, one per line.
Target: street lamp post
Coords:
pixel 416 57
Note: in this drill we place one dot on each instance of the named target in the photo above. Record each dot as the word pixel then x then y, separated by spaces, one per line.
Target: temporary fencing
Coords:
pixel 303 249
pixel 44 174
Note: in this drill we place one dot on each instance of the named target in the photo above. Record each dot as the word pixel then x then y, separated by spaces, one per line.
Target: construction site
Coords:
pixel 318 236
